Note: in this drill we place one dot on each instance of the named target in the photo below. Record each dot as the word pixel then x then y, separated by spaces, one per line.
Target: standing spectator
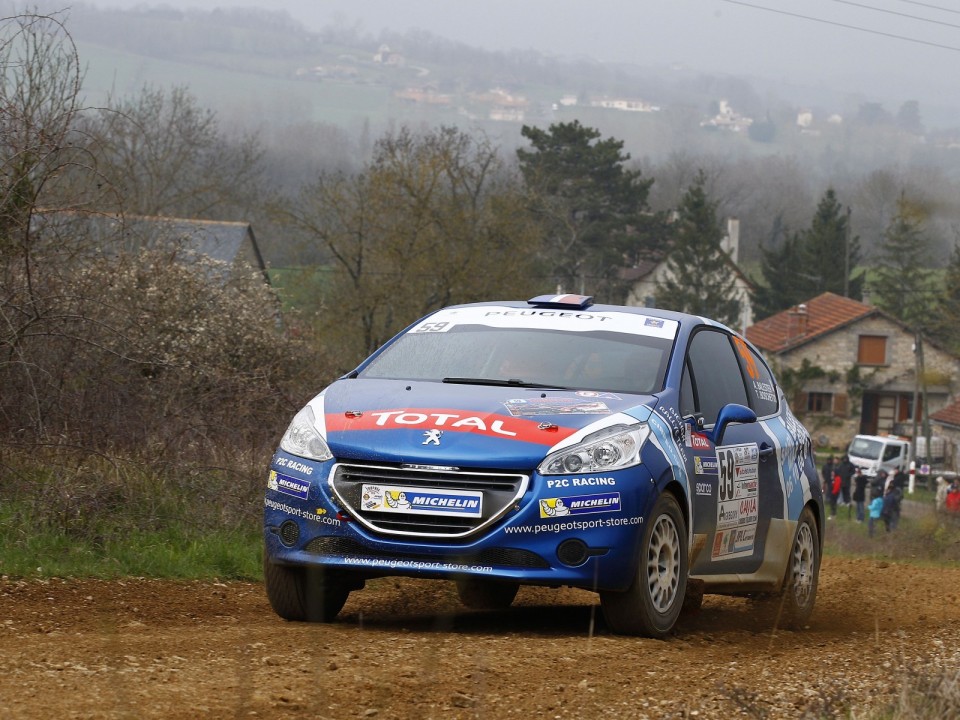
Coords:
pixel 952 502
pixel 876 505
pixel 887 480
pixel 859 492
pixel 890 511
pixel 845 471
pixel 882 481
pixel 834 494
pixel 901 480
pixel 827 473
pixel 942 487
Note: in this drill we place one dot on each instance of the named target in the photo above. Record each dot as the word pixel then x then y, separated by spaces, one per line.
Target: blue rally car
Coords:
pixel 647 455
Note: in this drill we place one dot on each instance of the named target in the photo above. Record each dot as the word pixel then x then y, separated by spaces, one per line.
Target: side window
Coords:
pixel 760 385
pixel 716 373
pixel 688 404
pixel 891 452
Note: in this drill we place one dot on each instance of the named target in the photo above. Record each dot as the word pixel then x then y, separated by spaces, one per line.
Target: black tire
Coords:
pixel 304 594
pixel 799 591
pixel 482 594
pixel 652 603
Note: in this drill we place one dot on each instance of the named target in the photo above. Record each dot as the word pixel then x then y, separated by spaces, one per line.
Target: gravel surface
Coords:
pixel 142 648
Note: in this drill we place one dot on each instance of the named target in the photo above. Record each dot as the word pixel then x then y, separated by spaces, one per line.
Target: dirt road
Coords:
pixel 406 649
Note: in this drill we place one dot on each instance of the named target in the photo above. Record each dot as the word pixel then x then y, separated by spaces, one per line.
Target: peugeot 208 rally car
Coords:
pixel 643 454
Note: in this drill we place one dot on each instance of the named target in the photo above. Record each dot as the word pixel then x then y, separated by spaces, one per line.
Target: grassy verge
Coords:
pixel 921 536
pixel 72 514
pixel 28 549
pixel 66 512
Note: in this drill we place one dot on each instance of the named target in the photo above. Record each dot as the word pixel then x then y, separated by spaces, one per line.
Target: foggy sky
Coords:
pixel 911 51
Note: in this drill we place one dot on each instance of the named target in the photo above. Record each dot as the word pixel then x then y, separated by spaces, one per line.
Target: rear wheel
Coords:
pixel 652 603
pixel 486 594
pixel 803 571
pixel 304 594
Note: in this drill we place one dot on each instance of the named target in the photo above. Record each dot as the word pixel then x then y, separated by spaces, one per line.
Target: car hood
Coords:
pixel 402 421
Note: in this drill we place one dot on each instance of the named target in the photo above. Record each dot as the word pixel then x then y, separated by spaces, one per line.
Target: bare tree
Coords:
pixel 434 219
pixel 102 345
pixel 166 155
pixel 40 81
pixel 39 84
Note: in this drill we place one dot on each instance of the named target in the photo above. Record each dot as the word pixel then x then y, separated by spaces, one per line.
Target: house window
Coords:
pixel 872 350
pixel 819 402
pixel 840 405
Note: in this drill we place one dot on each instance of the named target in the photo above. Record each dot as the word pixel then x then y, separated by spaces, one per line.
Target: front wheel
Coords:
pixel 652 603
pixel 803 571
pixel 304 594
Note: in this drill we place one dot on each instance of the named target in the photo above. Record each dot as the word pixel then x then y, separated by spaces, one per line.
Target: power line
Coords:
pixel 844 25
pixel 894 12
pixel 932 7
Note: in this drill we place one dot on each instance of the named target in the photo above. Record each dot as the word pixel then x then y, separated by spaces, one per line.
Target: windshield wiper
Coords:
pixel 512 382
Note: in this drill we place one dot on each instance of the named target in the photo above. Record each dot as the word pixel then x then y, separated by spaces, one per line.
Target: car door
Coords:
pixel 735 481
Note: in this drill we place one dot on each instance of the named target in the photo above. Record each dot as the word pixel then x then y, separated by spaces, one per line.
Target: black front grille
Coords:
pixel 499 491
pixel 440 478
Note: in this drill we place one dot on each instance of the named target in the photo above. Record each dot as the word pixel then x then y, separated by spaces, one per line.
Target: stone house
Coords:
pixel 849 368
pixel 647 276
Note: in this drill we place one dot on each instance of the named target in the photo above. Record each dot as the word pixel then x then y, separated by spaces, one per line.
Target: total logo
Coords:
pixel 699 442
pixel 433 424
pixel 439 420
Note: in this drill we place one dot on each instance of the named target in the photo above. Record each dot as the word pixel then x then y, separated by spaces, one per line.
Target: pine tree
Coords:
pixel 699 277
pixel 944 324
pixel 903 267
pixel 830 252
pixel 592 205
pixel 783 286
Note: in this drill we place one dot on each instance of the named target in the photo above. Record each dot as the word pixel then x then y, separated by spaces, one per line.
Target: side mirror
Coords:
pixel 731 413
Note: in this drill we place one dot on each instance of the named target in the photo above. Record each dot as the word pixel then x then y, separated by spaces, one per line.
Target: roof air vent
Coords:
pixel 576 302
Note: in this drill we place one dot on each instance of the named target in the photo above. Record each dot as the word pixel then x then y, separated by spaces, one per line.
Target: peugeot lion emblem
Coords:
pixel 432 437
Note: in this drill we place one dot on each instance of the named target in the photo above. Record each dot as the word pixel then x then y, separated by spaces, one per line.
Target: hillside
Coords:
pixel 262 69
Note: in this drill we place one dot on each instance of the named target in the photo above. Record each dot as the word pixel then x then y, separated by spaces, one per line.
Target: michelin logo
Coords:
pixel 580 505
pixel 423 501
pixel 705 466
pixel 288 485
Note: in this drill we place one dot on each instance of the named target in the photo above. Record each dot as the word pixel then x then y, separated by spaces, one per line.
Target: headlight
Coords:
pixel 612 448
pixel 302 438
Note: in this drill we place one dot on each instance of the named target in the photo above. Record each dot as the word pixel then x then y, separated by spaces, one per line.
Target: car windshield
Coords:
pixel 583 360
pixel 866 448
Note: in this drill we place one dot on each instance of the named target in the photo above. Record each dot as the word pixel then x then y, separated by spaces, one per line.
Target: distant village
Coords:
pixel 502 105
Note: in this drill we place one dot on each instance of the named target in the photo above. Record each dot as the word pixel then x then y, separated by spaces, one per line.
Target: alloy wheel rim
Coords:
pixel 803 555
pixel 663 563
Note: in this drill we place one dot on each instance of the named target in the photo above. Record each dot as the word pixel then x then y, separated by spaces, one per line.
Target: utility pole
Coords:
pixel 846 256
pixel 917 360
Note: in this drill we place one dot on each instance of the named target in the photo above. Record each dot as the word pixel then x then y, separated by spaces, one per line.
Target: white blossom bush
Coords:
pixel 160 350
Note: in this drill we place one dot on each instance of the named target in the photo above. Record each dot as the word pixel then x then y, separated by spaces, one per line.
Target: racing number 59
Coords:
pixel 432 327
pixel 725 461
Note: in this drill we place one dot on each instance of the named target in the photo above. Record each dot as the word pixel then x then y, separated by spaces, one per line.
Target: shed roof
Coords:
pixel 949 415
pixel 227 241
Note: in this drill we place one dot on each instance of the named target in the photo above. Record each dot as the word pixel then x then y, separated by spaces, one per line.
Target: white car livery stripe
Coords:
pixel 549 319
pixel 790 465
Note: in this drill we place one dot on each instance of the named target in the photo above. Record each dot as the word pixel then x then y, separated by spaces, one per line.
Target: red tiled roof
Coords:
pixel 950 415
pixel 824 314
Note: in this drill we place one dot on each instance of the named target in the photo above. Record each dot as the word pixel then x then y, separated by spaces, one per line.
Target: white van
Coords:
pixel 872 453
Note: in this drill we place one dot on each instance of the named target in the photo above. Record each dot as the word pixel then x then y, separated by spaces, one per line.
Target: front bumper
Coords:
pixel 558 530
